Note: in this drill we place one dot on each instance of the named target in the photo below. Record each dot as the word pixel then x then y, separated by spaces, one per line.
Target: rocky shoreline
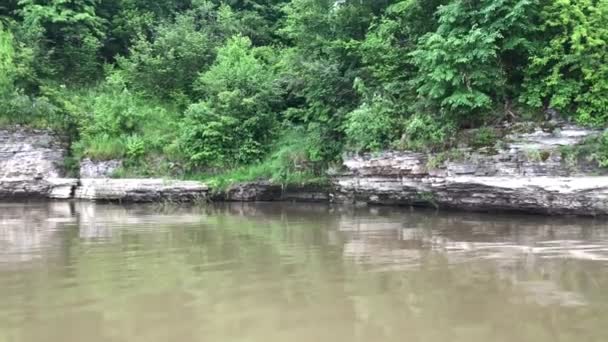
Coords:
pixel 529 173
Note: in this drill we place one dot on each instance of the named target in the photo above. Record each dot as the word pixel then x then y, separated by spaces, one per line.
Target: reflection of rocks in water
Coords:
pixel 487 237
pixel 547 293
pixel 514 249
pixel 31 231
pixel 271 210
pixel 27 231
pixel 382 256
pixel 103 222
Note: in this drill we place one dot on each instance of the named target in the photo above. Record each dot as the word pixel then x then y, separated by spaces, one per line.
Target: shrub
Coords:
pixel 425 133
pixel 372 126
pixel 116 123
pixel 69 35
pixel 484 137
pixel 601 150
pixel 236 121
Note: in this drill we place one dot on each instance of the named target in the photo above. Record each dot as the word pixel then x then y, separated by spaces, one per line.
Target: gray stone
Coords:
pixel 99 168
pixel 62 188
pixel 28 153
pixel 462 168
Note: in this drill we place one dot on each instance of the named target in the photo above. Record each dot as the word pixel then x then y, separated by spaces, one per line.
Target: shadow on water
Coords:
pixel 298 272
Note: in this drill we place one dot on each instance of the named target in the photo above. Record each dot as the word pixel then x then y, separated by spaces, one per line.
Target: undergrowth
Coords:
pixel 289 164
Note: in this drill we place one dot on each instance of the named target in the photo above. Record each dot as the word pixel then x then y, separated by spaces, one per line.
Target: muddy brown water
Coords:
pixel 294 272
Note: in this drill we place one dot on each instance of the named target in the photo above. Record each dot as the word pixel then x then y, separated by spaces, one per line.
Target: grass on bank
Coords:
pixel 287 165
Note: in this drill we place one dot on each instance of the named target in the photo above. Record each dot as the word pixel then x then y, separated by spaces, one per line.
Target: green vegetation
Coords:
pixel 484 137
pixel 241 90
pixel 593 150
pixel 534 155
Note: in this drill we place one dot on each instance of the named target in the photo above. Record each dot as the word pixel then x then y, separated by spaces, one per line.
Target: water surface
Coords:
pixel 286 272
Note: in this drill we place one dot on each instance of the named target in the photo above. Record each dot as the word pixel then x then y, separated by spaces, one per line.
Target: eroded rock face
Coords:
pixel 98 169
pixel 30 154
pixel 252 191
pixel 268 192
pixel 528 174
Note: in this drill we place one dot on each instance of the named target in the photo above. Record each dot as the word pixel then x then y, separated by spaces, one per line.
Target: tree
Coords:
pixel 167 64
pixel 320 70
pixel 7 67
pixel 236 120
pixel 464 66
pixel 569 70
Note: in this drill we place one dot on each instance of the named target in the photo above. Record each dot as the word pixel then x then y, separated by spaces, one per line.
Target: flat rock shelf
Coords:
pixel 127 190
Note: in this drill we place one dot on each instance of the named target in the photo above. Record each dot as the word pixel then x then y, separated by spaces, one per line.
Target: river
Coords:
pixel 295 272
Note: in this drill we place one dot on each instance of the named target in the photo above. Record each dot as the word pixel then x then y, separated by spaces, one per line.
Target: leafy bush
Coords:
pixel 600 155
pixel 289 163
pixel 372 126
pixel 100 147
pixel 7 68
pixel 483 137
pixel 135 147
pixel 425 133
pixel 236 121
pixel 15 106
pixel 115 123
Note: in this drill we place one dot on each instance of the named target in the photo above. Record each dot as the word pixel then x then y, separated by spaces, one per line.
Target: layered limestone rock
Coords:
pixel 527 174
pixel 28 188
pixel 140 190
pixel 121 190
pixel 30 154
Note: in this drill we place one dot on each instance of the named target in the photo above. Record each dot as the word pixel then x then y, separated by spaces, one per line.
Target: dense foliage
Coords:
pixel 208 85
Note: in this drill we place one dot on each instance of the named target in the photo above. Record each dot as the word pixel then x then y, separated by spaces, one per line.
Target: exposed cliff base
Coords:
pixel 529 173
pixel 119 190
pixel 526 172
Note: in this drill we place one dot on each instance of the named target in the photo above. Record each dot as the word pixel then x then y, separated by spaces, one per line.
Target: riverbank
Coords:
pixel 535 170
